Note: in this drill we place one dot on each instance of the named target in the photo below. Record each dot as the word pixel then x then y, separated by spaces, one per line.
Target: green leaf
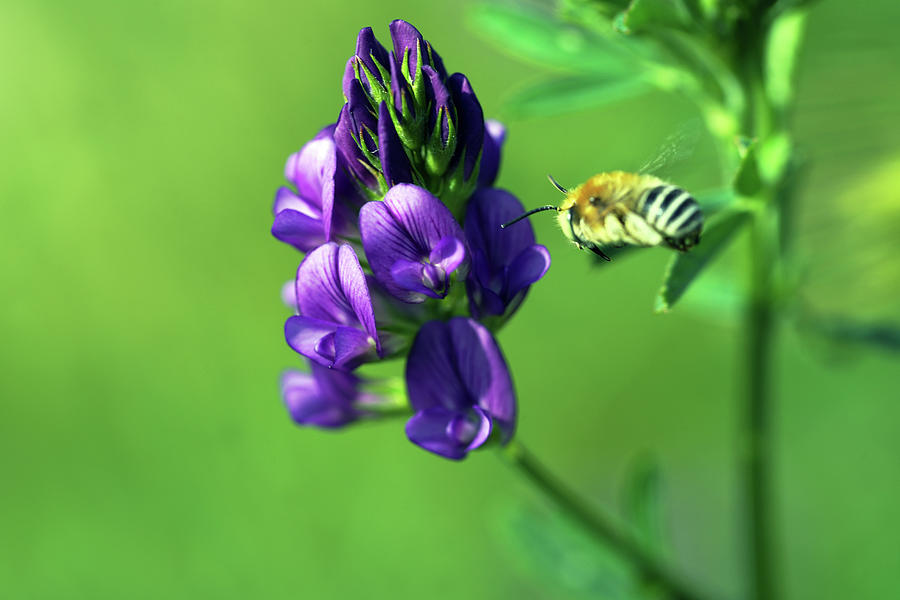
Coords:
pixel 641 502
pixel 883 336
pixel 684 268
pixel 782 50
pixel 553 550
pixel 571 94
pixel 537 36
pixel 747 180
pixel 646 15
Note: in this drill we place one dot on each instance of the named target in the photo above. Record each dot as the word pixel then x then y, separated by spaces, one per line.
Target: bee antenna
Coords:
pixel 556 184
pixel 528 214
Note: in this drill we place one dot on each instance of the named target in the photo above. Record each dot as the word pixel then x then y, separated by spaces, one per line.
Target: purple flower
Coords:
pixel 324 397
pixel 505 262
pixel 336 324
pixel 325 200
pixel 460 388
pixel 413 244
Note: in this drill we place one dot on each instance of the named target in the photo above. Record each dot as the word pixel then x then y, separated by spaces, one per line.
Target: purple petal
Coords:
pixel 309 404
pixel 440 99
pixel 494 135
pixel 407 38
pixel 449 254
pixel 353 284
pixel 305 335
pixel 331 287
pixel 407 275
pixel 394 162
pixel 356 123
pixel 400 90
pixel 432 380
pixel 470 126
pixel 312 169
pixel 484 371
pixel 286 199
pixel 528 267
pixel 449 433
pixel 407 226
pixel 457 365
pixel 299 230
pixel 351 347
pixel 488 208
pixel 369 51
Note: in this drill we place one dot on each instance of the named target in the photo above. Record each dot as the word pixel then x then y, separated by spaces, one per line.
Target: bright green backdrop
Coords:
pixel 144 452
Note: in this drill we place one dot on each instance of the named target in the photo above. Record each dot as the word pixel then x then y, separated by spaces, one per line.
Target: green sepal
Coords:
pixel 376 92
pixel 684 268
pixel 747 180
pixel 437 154
pixel 455 189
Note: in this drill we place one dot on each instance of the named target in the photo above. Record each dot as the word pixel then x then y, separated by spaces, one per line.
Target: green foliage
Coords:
pixel 684 268
pixel 782 51
pixel 568 94
pixel 538 37
pixel 562 556
pixel 647 15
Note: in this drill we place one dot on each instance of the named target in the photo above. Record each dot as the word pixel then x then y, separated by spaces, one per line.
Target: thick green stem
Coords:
pixel 597 524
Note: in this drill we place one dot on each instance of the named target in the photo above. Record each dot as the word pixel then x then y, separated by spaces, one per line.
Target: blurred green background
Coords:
pixel 144 450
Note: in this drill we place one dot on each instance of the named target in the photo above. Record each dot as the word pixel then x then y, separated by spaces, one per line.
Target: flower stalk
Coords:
pixel 596 523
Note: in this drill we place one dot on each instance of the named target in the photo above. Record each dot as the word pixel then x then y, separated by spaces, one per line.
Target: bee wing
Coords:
pixel 676 148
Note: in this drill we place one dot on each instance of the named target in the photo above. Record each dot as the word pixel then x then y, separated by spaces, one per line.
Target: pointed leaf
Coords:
pixel 539 37
pixel 569 94
pixel 684 268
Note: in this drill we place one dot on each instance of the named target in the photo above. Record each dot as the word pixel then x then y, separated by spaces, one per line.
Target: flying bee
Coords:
pixel 618 208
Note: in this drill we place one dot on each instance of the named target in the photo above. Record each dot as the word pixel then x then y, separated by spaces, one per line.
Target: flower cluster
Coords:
pixel 395 210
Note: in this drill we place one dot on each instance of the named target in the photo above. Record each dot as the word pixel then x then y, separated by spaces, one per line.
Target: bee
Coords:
pixel 619 208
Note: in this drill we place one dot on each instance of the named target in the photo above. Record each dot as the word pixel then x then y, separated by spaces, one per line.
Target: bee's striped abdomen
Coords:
pixel 673 213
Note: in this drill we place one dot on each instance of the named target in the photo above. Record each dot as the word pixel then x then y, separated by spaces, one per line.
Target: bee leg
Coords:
pixel 599 252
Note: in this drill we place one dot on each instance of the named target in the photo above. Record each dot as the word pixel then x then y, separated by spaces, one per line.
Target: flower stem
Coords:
pixel 599 525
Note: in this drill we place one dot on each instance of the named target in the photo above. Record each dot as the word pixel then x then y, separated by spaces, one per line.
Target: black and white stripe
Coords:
pixel 671 211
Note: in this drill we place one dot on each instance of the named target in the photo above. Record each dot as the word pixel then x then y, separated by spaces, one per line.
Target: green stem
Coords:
pixel 596 523
pixel 757 459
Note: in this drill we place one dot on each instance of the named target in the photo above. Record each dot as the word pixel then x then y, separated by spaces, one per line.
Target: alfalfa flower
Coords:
pixel 326 398
pixel 323 200
pixel 459 387
pixel 336 324
pixel 505 262
pixel 413 243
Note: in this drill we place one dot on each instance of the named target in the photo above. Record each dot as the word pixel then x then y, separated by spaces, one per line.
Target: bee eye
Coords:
pixel 594 200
